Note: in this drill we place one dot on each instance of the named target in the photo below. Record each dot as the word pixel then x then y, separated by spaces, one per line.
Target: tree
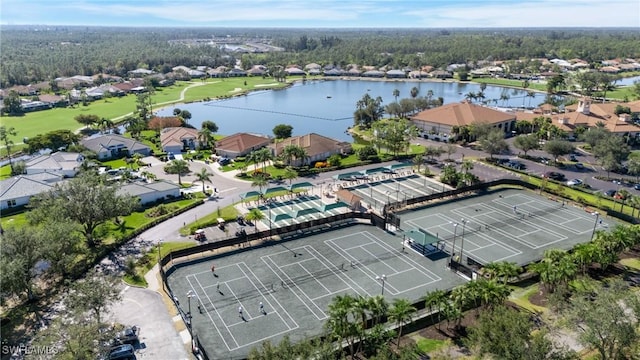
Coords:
pixel 259 181
pixel 436 300
pixel 395 136
pixel 254 215
pixel 401 313
pixel 144 108
pixel 611 151
pixel 289 174
pixel 21 248
pixel 205 137
pixel 368 111
pixel 508 334
pixel 5 138
pixel 12 104
pixel 208 124
pixel 594 135
pixel 87 119
pixel 334 160
pixel 557 148
pixel 396 93
pixel 85 200
pixel 93 294
pixel 282 131
pixel 179 167
pixel 494 142
pixel 204 175
pixel 526 143
pixel 607 319
pixel 294 153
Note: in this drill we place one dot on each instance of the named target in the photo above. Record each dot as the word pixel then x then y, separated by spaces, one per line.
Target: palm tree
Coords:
pixel 254 215
pixel 105 125
pixel 584 255
pixel 436 301
pixel 414 92
pixel 491 293
pixel 338 323
pixel 396 93
pixel 289 174
pixel 379 308
pixel 179 167
pixel 418 160
pixel 401 313
pixel 294 152
pixel 204 175
pixel 259 181
pixel 205 137
pixel 470 96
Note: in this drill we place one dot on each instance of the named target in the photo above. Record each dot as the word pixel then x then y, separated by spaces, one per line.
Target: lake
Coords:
pixel 326 107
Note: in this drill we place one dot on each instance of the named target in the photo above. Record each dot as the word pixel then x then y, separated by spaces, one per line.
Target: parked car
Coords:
pixel 610 192
pixel 516 165
pixel 544 160
pixel 574 182
pixel 579 166
pixel 128 335
pixel 573 158
pixel 553 175
pixel 122 352
pixel 636 186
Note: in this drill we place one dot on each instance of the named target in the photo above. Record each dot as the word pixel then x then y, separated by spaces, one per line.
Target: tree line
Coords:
pixel 30 56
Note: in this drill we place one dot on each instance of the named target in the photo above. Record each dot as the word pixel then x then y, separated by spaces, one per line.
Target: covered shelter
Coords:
pixel 273 190
pixel 350 176
pixel 349 198
pixel 423 241
pixel 281 217
pixel 307 211
pixel 375 170
pixel 301 185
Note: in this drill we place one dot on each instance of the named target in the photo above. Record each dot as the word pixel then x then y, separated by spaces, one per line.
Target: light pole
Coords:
pixel 382 279
pixel 464 225
pixel 388 192
pixel 595 224
pixel 190 295
pixel 453 246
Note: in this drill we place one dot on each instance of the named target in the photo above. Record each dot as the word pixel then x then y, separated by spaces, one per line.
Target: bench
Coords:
pixel 423 249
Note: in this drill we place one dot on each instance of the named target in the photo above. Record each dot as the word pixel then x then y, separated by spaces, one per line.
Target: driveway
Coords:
pixel 158 336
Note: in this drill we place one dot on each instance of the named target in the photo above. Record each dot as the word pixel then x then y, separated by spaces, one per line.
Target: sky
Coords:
pixel 325 13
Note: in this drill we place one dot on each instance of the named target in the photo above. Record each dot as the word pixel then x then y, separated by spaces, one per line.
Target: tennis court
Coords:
pixel 506 225
pixel 295 281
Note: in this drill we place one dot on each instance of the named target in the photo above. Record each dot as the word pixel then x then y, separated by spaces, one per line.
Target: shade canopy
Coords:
pixel 275 190
pixel 375 170
pixel 308 211
pixel 348 176
pixel 301 185
pixel 281 217
pixel 336 205
pixel 422 236
pixel 399 166
pixel 250 194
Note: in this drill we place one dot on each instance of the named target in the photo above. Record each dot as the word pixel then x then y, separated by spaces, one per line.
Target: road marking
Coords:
pixel 225 190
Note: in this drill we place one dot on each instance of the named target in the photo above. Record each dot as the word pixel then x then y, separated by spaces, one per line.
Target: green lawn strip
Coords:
pixel 18 219
pixel 220 88
pixel 149 259
pixel 228 213
pixel 429 345
pixel 633 263
pixel 5 172
pixel 520 296
pixel 511 83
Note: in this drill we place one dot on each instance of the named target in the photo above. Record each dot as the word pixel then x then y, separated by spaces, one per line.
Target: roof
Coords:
pixel 175 135
pixel 313 143
pixel 462 114
pixel 138 189
pixel 348 197
pixel 241 142
pixel 22 186
pixel 56 161
pixel 98 143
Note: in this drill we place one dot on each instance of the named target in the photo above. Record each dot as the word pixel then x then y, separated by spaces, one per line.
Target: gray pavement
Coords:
pixel 145 308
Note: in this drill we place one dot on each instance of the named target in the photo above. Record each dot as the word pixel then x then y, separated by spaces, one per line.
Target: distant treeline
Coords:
pixel 30 54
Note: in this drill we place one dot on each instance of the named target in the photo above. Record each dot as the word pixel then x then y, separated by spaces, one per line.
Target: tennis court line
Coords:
pixel 272 297
pixel 338 274
pixel 222 282
pixel 217 313
pixel 277 273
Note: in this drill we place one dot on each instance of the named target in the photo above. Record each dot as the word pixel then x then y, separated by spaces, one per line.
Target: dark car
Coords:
pixel 572 158
pixel 554 176
pixel 224 161
pixel 636 186
pixel 128 335
pixel 121 352
pixel 516 165
pixel 610 193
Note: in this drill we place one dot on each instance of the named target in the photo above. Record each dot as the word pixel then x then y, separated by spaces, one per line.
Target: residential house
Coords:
pixel 441 74
pixel 240 144
pixel 292 71
pixel 141 72
pixel 442 120
pixel 373 74
pixel 589 114
pixel 333 72
pixel 176 139
pixel 317 147
pixel 312 66
pixel 54 100
pixel 18 190
pixel 257 70
pixel 61 163
pixel 113 146
pixel 235 72
pixel 153 192
pixel 396 74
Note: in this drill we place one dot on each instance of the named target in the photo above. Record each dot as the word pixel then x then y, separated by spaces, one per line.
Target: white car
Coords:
pixel 574 182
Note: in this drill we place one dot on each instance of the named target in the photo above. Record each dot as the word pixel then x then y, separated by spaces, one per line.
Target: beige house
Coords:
pixel 441 120
pixel 318 147
pixel 589 114
pixel 240 144
pixel 175 139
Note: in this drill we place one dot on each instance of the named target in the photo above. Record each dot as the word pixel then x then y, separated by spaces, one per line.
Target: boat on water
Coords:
pixel 328 96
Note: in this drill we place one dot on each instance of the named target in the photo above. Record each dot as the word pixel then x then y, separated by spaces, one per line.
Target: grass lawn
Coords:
pixel 5 172
pixel 18 219
pixel 620 93
pixel 511 83
pixel 632 263
pixel 228 213
pixel 520 296
pixel 429 345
